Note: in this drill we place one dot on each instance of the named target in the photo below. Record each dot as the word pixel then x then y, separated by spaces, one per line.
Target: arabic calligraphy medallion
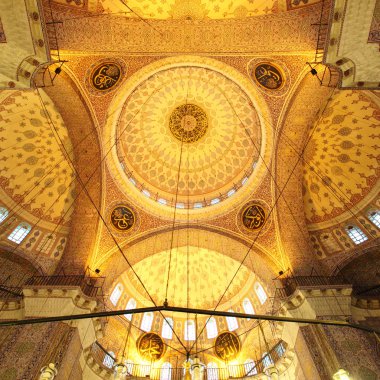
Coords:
pixel 227 346
pixel 188 123
pixel 268 76
pixel 253 217
pixel 122 218
pixel 150 346
pixel 105 76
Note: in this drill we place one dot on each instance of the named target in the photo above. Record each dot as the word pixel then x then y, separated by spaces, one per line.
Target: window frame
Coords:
pixel 17 237
pixel 211 328
pixel 356 234
pixel 232 322
pixel 118 285
pixel 4 213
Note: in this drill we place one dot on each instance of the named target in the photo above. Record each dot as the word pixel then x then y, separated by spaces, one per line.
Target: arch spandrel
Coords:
pixel 305 102
pixel 87 152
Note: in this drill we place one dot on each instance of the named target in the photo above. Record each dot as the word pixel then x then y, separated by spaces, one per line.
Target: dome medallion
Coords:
pixel 188 123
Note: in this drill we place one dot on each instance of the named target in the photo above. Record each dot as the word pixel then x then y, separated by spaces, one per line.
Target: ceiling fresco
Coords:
pixel 342 157
pixel 34 171
pixel 209 273
pixel 191 116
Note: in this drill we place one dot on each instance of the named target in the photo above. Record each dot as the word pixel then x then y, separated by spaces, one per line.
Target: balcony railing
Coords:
pixel 90 286
pixel 106 361
pixel 10 293
pixel 292 283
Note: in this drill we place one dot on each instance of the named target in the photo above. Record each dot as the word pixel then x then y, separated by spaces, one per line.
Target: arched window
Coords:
pixel 116 294
pixel 260 292
pixel 247 306
pixel 109 360
pixel 212 371
pixel 280 349
pixel 356 234
pixel 250 367
pixel 190 330
pixel 3 214
pixel 131 304
pixel 267 360
pixel 46 243
pixel 373 216
pixel 147 321
pixel 232 322
pixel 166 371
pixel 212 328
pixel 19 233
pixel 167 328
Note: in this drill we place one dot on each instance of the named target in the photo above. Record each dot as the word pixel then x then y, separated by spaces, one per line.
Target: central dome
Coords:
pixel 188 137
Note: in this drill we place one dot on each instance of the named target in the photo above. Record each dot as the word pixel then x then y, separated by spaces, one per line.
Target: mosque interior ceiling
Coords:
pixel 184 150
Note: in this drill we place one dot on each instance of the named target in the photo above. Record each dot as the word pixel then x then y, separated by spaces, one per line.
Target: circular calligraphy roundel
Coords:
pixel 268 75
pixel 188 123
pixel 227 346
pixel 253 216
pixel 150 346
pixel 122 218
pixel 105 76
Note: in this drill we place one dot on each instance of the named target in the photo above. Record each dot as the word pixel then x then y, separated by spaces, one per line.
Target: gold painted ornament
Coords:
pixel 253 217
pixel 150 346
pixel 188 123
pixel 227 346
pixel 122 218
pixel 105 76
pixel 268 75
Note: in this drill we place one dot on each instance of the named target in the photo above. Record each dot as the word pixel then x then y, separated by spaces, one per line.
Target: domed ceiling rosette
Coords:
pixel 184 113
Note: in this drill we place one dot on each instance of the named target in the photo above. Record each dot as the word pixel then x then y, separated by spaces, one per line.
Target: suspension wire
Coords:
pixel 141 18
pixel 271 210
pixel 175 204
pixel 83 185
pixel 173 224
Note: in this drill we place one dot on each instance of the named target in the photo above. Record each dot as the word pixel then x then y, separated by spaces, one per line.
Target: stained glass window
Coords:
pixel 267 360
pixel 167 332
pixel 19 233
pixel 260 292
pixel 190 330
pixel 250 367
pixel 115 295
pixel 147 321
pixel 373 216
pixel 356 234
pixel 131 304
pixel 3 213
pixel 212 328
pixel 232 322
pixel 108 360
pixel 247 306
